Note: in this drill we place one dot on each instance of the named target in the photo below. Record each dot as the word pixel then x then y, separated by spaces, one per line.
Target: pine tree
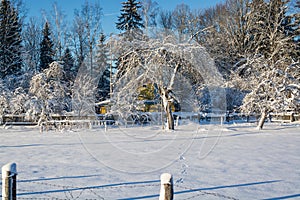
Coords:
pixel 130 19
pixel 46 48
pixel 10 40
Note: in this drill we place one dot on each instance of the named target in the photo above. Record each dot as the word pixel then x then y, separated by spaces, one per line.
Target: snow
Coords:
pixel 9 167
pixel 211 161
pixel 166 178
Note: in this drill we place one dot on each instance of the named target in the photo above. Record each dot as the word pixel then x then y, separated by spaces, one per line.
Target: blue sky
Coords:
pixel 111 8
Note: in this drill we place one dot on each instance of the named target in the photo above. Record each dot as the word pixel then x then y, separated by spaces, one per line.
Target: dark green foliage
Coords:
pixel 293 26
pixel 68 64
pixel 104 86
pixel 130 19
pixel 46 48
pixel 10 40
pixel 104 70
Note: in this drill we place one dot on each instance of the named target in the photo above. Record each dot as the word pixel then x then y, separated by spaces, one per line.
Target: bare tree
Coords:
pixel 149 12
pixel 165 21
pixel 181 20
pixel 31 38
pixel 208 29
pixel 83 93
pixel 59 30
pixel 86 30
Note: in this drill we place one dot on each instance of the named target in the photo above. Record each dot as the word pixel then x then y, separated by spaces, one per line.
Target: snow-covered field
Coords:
pixel 233 161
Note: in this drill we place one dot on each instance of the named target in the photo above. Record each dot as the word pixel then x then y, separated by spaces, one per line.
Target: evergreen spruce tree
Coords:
pixel 131 23
pixel 130 19
pixel 46 48
pixel 10 40
pixel 68 64
pixel 296 31
pixel 297 40
pixel 103 68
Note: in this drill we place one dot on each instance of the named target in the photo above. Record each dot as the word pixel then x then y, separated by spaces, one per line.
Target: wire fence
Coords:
pixel 12 188
pixel 60 192
pixel 38 190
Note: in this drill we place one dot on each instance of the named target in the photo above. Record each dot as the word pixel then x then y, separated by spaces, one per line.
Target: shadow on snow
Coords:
pixel 187 191
pixel 204 189
pixel 86 188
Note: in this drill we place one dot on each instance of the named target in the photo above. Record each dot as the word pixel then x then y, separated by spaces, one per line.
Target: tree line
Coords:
pixel 255 45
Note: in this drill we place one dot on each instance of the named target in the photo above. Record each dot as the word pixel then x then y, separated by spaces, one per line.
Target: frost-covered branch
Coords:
pixel 166 64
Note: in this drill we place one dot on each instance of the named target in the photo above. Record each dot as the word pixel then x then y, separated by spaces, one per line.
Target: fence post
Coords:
pixel 166 187
pixel 177 121
pixel 9 181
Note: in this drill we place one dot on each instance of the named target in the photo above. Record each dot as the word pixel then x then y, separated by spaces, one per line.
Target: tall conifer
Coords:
pixel 46 48
pixel 10 40
pixel 130 19
pixel 104 69
pixel 68 64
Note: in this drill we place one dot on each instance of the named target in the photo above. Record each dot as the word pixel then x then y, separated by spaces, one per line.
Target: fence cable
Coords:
pixel 68 190
pixel 91 189
pixel 202 193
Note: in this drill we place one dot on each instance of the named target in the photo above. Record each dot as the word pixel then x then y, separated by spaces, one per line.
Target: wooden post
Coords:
pixel 292 117
pixel 166 187
pixel 9 181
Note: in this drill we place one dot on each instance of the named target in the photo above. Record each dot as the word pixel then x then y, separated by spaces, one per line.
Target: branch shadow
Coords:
pixel 38 145
pixel 57 178
pixel 284 197
pixel 227 186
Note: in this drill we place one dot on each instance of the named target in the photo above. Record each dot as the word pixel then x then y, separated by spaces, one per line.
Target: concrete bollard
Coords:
pixel 9 181
pixel 166 187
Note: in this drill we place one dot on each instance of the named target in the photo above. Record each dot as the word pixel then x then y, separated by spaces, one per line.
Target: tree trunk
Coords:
pixel 292 117
pixel 167 109
pixel 262 120
pixel 170 118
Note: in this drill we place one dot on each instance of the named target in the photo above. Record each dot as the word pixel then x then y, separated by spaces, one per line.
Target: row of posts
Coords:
pixel 9 184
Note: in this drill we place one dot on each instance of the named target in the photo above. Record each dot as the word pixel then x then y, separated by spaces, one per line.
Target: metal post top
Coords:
pixel 10 167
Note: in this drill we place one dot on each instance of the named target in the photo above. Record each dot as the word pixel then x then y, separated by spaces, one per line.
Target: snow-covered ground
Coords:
pixel 207 162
